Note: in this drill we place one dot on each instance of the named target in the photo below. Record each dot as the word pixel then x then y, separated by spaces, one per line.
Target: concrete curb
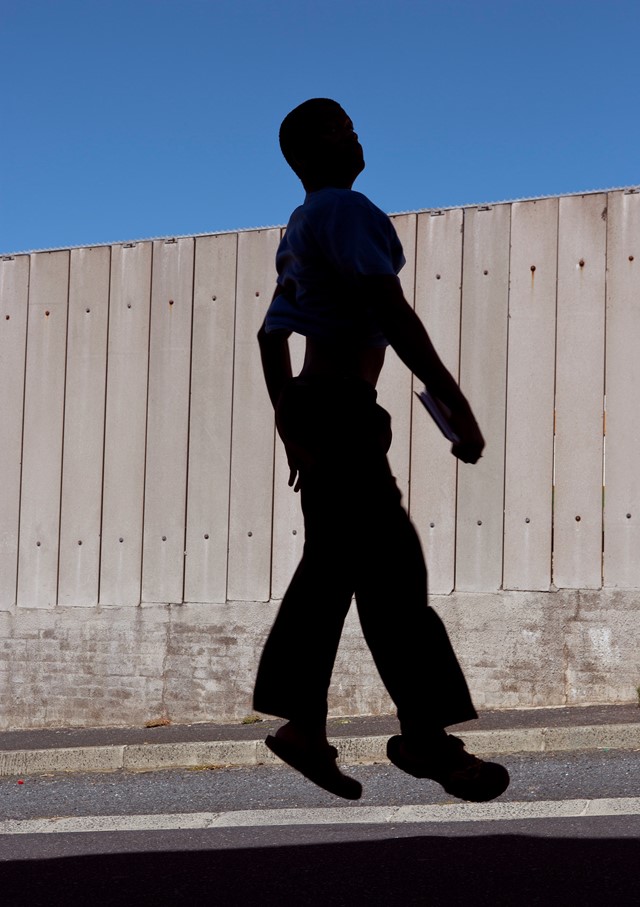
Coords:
pixel 353 750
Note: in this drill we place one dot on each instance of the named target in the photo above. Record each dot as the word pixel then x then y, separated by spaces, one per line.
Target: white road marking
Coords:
pixel 353 815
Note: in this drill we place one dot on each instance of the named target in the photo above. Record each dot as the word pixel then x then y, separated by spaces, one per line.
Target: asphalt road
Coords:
pixel 278 840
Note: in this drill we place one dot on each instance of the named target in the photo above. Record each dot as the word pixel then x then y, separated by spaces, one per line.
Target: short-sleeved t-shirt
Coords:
pixel 331 240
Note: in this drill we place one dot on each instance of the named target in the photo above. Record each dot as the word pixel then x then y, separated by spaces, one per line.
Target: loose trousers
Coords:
pixel 359 541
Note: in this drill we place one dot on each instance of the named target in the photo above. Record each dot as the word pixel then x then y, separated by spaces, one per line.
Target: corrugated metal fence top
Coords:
pixel 279 226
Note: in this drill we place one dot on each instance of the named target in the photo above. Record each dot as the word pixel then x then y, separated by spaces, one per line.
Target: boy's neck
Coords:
pixel 314 185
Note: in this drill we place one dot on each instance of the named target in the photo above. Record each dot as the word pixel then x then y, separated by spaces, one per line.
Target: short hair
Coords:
pixel 299 129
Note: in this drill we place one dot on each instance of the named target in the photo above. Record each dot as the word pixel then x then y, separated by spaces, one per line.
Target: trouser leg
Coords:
pixel 298 658
pixel 297 661
pixel 407 638
pixel 296 664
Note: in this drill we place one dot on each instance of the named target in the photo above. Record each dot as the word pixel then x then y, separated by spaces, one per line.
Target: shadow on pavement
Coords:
pixel 414 870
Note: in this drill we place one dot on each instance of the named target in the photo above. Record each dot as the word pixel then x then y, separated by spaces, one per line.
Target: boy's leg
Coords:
pixel 407 638
pixel 297 661
pixel 295 672
pixel 296 664
pixel 412 650
pixel 298 658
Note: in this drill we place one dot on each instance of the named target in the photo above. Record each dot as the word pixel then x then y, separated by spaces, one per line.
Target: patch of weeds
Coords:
pixel 252 719
pixel 158 722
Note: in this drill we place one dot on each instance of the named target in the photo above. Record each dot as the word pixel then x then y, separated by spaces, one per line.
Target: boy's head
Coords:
pixel 318 142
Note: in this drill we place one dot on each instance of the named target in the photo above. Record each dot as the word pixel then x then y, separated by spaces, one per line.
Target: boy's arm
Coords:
pixel 408 337
pixel 276 366
pixel 275 357
pixel 276 361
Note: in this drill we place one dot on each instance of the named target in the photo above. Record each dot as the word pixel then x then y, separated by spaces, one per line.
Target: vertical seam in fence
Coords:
pixel 24 398
pixel 64 411
pixel 555 398
pixel 273 486
pixel 506 397
pixel 411 383
pixel 273 508
pixel 186 478
pixel 233 382
pixel 146 424
pixel 555 378
pixel 457 376
pixel 604 386
pixel 104 421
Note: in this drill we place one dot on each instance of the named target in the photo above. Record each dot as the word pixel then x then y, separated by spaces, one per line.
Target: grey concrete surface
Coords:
pixel 565 832
pixel 594 775
pixel 359 740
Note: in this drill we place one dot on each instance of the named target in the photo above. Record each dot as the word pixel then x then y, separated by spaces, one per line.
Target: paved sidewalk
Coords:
pixel 359 740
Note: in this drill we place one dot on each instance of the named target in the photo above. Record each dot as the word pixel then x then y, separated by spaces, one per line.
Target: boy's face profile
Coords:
pixel 337 135
pixel 334 155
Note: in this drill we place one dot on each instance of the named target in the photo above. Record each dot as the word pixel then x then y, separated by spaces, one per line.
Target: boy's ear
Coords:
pixel 300 167
pixel 296 163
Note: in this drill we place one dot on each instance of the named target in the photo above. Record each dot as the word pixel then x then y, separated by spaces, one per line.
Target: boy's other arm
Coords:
pixel 408 337
pixel 275 357
pixel 276 366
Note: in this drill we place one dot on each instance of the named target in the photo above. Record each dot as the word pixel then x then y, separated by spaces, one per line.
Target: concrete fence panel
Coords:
pixel 483 378
pixel 165 490
pixel 434 471
pixel 43 430
pixel 622 388
pixel 125 424
pixel 531 358
pixel 253 429
pixel 577 550
pixel 14 290
pixel 84 410
pixel 209 478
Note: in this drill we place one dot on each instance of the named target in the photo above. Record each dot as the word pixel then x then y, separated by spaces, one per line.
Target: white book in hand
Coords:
pixel 440 413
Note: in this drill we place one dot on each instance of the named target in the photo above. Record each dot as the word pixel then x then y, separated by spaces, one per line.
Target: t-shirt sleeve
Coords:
pixel 358 239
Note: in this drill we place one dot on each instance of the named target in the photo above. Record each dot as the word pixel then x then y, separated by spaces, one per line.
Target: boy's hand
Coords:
pixel 294 460
pixel 468 453
pixel 471 444
pixel 294 477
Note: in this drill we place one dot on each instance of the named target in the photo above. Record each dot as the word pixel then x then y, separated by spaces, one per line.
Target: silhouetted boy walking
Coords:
pixel 338 286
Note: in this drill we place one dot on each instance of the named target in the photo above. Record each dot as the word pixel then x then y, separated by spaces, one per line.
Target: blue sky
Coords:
pixel 128 119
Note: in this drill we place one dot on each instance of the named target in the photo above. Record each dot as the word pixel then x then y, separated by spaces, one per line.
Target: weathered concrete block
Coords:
pixel 196 755
pixel 601 640
pixel 510 645
pixel 70 759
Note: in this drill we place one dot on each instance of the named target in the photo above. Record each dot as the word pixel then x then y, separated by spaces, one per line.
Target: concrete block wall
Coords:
pixel 196 663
